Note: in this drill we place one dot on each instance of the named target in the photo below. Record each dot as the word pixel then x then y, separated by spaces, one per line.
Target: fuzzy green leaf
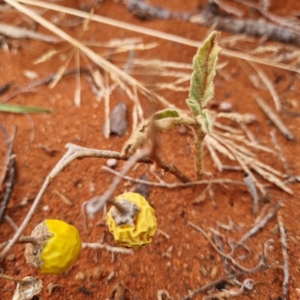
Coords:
pixel 204 63
pixel 194 107
pixel 19 109
pixel 205 121
pixel 166 113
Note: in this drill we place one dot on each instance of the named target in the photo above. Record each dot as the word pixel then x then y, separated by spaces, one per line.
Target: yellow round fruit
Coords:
pixel 58 247
pixel 138 232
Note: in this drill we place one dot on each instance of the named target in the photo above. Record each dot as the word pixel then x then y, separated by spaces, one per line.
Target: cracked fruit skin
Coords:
pixel 59 247
pixel 145 223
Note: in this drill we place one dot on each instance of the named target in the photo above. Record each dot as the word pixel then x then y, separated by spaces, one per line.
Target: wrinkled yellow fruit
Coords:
pixel 58 247
pixel 144 224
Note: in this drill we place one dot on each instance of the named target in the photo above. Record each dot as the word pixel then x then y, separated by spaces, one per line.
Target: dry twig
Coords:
pixel 17 32
pixel 107 247
pixel 175 185
pixel 9 172
pixel 253 192
pixel 286 274
pixel 269 85
pixel 227 256
pixel 259 225
pixel 148 31
pixel 279 152
pixel 225 279
pixel 274 118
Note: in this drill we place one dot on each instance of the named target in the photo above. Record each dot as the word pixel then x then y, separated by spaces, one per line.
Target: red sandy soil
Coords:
pixel 96 274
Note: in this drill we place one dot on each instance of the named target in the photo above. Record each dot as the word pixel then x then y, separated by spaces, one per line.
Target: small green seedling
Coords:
pixel 201 92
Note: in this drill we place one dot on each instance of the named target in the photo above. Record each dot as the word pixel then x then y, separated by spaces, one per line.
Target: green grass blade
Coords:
pixel 20 109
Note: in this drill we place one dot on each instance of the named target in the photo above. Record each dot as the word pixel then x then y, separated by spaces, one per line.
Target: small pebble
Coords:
pixel 182 129
pixel 225 106
pixel 80 276
pixel 112 163
pixel 45 208
pixel 118 120
pixel 31 74
pixel 97 273
pixel 214 272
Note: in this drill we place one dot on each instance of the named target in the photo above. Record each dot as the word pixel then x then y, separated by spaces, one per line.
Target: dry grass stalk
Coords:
pixel 247 161
pixel 217 162
pixel 22 33
pixel 274 118
pixel 269 85
pixel 106 108
pixel 242 139
pixel 279 151
pixel 114 71
pixel 147 31
pixel 284 245
pixel 77 93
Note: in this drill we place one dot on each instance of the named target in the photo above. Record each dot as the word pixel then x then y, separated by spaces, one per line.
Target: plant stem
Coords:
pixel 2 276
pixel 21 240
pixel 117 205
pixel 198 148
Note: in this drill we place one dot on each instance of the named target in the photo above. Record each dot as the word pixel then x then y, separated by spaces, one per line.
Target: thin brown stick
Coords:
pixel 96 203
pixel 175 185
pixel 286 274
pixel 279 151
pixel 227 256
pixel 21 240
pixel 117 205
pixel 107 247
pixel 225 279
pixel 269 85
pixel 9 172
pixel 2 276
pixel 259 225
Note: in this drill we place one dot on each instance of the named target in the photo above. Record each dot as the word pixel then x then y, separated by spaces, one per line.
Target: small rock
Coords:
pixel 45 208
pixel 225 106
pixel 112 163
pixel 97 273
pixel 118 120
pixel 31 74
pixel 182 129
pixel 214 272
pixel 80 276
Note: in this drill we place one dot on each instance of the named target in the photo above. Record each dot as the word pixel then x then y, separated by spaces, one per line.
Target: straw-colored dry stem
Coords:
pixel 198 148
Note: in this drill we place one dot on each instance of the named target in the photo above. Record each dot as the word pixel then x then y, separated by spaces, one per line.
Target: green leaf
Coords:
pixel 204 63
pixel 166 113
pixel 194 106
pixel 206 122
pixel 19 109
pixel 169 118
